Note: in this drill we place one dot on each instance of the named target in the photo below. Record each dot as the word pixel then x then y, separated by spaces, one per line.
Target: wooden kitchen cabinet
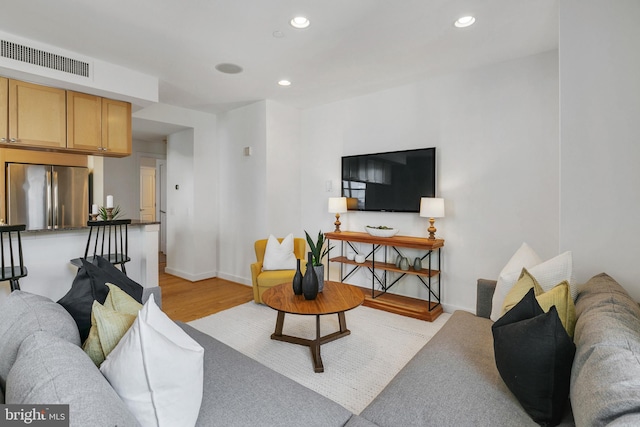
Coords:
pixel 84 122
pixel 116 127
pixel 37 115
pixel 4 109
pixel 99 126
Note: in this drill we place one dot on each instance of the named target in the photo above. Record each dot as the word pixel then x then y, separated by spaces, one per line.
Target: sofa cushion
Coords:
pixel 22 314
pixel 238 391
pixel 451 381
pixel 534 354
pixel 156 369
pixel 50 370
pixel 90 285
pixel 605 379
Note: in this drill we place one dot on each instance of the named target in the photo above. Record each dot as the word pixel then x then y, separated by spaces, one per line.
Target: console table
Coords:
pixel 378 264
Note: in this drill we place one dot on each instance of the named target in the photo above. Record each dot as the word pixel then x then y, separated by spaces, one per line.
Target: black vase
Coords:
pixel 297 280
pixel 310 280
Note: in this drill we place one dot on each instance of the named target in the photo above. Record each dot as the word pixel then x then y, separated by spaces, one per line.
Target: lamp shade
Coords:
pixel 432 207
pixel 337 204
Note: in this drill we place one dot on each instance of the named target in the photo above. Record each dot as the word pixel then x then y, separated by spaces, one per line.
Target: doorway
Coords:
pixel 147 193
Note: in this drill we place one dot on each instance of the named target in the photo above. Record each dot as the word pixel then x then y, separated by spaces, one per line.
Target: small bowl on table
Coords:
pixel 381 232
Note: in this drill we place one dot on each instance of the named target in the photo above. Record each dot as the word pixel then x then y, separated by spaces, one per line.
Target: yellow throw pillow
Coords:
pixel 109 322
pixel 120 301
pixel 520 289
pixel 560 296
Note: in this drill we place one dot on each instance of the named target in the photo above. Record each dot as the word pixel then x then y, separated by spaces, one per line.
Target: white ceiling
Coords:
pixel 352 47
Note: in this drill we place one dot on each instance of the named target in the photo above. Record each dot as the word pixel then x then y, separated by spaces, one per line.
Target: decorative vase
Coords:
pixel 320 275
pixel 404 264
pixel 297 279
pixel 310 280
pixel 417 264
pixel 398 261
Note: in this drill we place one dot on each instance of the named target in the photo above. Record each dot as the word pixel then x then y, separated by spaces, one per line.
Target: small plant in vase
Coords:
pixel 318 251
pixel 104 213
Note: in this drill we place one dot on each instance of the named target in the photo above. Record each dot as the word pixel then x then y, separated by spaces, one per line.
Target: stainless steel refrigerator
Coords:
pixel 47 197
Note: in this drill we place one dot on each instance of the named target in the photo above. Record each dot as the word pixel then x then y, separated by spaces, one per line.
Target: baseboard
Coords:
pixel 450 308
pixel 236 279
pixel 188 276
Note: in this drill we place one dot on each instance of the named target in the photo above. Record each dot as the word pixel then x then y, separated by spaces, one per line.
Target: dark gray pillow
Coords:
pixel 534 355
pixel 49 370
pixel 108 272
pixel 89 285
pixel 22 314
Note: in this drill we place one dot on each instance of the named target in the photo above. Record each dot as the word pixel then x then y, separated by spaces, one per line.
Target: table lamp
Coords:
pixel 337 205
pixel 432 207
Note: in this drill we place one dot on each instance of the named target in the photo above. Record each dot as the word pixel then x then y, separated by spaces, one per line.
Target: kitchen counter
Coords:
pixel 47 255
pixel 134 223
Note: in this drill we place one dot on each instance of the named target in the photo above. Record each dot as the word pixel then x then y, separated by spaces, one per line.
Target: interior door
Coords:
pixel 147 193
pixel 162 177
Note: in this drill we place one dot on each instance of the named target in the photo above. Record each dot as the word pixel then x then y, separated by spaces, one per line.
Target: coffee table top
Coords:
pixel 336 297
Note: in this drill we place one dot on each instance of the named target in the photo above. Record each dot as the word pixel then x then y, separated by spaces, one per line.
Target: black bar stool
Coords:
pixel 10 242
pixel 108 239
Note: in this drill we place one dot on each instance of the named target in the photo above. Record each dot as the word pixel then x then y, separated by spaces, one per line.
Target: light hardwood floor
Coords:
pixel 185 301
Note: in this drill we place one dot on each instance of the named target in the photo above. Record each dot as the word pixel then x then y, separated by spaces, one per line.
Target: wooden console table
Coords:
pixel 429 275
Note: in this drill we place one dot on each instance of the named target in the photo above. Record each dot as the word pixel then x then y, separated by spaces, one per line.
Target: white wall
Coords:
pixel 180 204
pixel 259 194
pixel 496 133
pixel 600 107
pixel 243 188
pixel 284 166
pixel 192 163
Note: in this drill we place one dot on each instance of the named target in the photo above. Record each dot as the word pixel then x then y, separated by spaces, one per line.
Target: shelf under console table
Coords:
pixel 429 275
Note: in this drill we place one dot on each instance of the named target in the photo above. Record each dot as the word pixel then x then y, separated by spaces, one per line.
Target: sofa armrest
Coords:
pixel 484 297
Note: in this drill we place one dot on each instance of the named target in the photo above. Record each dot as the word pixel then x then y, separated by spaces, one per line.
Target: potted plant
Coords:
pixel 318 251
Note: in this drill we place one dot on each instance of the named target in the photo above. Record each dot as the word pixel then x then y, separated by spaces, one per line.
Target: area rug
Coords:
pixel 356 367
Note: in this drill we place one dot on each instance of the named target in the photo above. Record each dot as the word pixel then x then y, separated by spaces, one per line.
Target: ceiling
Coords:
pixel 352 47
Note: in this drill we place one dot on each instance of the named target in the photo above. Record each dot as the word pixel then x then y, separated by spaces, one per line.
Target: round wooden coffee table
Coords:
pixel 336 298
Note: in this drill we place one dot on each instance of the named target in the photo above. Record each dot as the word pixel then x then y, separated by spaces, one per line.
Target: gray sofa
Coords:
pixel 452 381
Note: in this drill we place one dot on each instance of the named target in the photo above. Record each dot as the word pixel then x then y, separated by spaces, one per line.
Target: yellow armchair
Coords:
pixel 263 280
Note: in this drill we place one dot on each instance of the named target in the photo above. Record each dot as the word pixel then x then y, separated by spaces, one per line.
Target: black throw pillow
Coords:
pixel 89 285
pixel 79 300
pixel 109 273
pixel 534 355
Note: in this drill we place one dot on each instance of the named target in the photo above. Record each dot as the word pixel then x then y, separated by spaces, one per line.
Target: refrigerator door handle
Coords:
pixel 55 200
pixel 49 202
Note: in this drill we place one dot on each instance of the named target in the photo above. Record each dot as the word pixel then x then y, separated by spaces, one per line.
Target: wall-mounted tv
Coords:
pixel 390 182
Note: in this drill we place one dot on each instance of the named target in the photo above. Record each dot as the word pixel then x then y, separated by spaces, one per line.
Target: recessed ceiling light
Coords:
pixel 464 21
pixel 284 83
pixel 229 68
pixel 278 34
pixel 299 22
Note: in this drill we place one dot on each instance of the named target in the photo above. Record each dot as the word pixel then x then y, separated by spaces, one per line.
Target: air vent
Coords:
pixel 42 58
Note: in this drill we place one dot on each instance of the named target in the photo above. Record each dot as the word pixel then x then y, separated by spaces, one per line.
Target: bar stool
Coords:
pixel 110 235
pixel 10 242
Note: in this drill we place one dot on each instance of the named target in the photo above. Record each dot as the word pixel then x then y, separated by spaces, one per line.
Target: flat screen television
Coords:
pixel 389 182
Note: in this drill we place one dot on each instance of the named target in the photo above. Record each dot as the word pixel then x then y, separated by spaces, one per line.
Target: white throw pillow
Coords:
pixel 525 257
pixel 157 370
pixel 555 270
pixel 548 274
pixel 279 256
